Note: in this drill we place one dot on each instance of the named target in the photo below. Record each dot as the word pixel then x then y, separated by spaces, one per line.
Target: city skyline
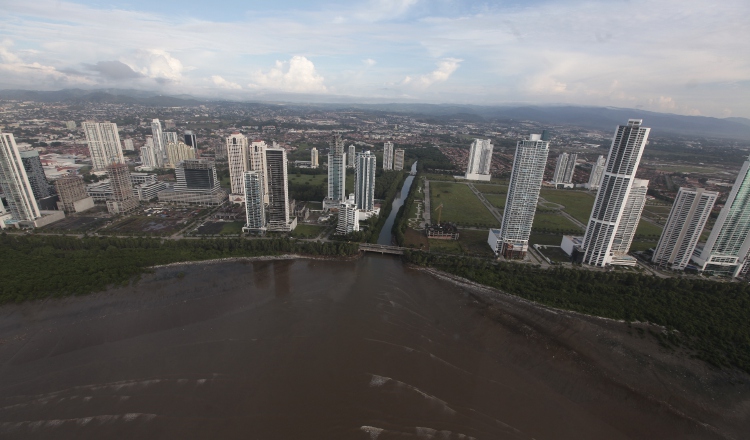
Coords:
pixel 408 50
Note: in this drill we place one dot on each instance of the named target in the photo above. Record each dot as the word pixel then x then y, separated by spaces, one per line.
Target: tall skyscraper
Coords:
pixel 388 155
pixel 336 174
pixel 631 216
pixel 314 158
pixel 72 192
pixel 566 164
pixel 479 164
pixel 190 139
pixel 159 146
pixel 278 191
pixel 597 170
pixel 351 156
pixel 128 144
pixel 15 183
pixel 727 246
pixel 123 198
pixel 177 152
pixel 255 207
pixel 684 226
pixel 38 180
pixel 523 192
pixel 398 159
pixel 237 158
pixel 364 185
pixel 256 161
pixel 104 144
pixel 619 172
pixel 169 137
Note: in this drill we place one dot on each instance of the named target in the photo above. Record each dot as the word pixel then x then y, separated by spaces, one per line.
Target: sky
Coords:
pixel 675 56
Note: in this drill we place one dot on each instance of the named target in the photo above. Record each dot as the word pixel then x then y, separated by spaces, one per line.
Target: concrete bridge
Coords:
pixel 381 248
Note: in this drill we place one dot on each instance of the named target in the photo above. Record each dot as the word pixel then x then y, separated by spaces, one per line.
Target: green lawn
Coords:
pixel 232 228
pixel 647 229
pixel 577 203
pixel 475 242
pixel 309 179
pixel 307 231
pixel 496 199
pixel 553 222
pixel 460 205
pixel 446 246
pixel 491 189
pixel 642 245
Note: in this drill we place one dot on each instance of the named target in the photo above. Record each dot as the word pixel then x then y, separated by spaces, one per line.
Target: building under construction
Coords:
pixel 123 199
pixel 442 231
pixel 73 197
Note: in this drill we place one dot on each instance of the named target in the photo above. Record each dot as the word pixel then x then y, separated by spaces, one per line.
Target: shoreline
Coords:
pixel 279 257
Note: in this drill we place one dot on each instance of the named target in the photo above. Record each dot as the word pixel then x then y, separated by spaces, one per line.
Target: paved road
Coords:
pixel 493 210
pixel 427 208
pixel 564 214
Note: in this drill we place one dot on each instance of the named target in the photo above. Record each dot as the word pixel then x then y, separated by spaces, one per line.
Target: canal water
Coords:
pixel 386 236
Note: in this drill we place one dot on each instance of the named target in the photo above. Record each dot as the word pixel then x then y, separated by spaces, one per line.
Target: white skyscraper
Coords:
pixel 129 144
pixel 523 193
pixel 566 164
pixel 351 156
pixel 148 159
pixel 314 158
pixel 597 170
pixel 398 159
pixel 104 144
pixel 255 207
pixel 256 161
pixel 619 173
pixel 177 152
pixel 336 175
pixel 159 146
pixel 684 226
pixel 480 160
pixel 631 216
pixel 15 183
pixel 277 213
pixel 237 159
pixel 364 186
pixel 727 246
pixel 388 155
pixel 169 137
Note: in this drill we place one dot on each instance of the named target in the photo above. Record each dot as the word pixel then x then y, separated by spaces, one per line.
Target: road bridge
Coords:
pixel 381 248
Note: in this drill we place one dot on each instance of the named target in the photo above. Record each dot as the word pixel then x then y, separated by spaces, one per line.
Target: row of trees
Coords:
pixel 711 318
pixel 34 267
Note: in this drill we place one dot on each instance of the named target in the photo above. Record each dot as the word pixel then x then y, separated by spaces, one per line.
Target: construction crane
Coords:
pixel 440 213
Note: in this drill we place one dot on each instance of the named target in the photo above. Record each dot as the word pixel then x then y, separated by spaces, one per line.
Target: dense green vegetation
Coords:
pixel 428 159
pixel 711 318
pixel 34 267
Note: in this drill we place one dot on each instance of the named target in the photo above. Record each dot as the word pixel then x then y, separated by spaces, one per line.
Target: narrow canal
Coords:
pixel 386 237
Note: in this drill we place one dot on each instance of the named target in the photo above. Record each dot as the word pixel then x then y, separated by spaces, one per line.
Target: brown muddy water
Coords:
pixel 309 349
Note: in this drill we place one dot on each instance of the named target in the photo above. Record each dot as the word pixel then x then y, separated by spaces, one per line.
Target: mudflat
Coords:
pixel 366 349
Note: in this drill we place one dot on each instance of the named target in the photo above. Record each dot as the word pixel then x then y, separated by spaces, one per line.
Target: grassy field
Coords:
pixel 491 189
pixel 553 222
pixel 315 205
pixel 415 239
pixel 642 245
pixel 446 246
pixel 647 229
pixel 577 203
pixel 309 179
pixel 460 205
pixel 307 231
pixel 475 242
pixel 496 199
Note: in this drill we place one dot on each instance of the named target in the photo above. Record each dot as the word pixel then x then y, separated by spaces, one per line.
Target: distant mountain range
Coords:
pixel 602 118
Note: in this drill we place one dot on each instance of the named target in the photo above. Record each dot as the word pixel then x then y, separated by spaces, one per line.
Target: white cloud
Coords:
pixel 155 63
pixel 296 75
pixel 224 84
pixel 16 72
pixel 378 10
pixel 445 69
pixel 369 62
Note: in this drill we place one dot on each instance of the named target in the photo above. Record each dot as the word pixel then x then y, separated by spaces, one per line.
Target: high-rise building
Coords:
pixel 148 158
pixel 479 162
pixel 364 185
pixel 123 198
pixel 685 223
pixel 314 158
pixel 104 144
pixel 351 156
pixel 388 155
pixel 72 192
pixel 398 159
pixel 631 216
pixel 336 175
pixel 196 183
pixel 278 191
pixel 255 207
pixel 237 158
pixel 617 181
pixel 190 139
pixel 33 166
pixel 129 144
pixel 159 146
pixel 727 246
pixel 348 217
pixel 256 161
pixel 177 152
pixel 15 183
pixel 597 170
pixel 566 164
pixel 523 192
